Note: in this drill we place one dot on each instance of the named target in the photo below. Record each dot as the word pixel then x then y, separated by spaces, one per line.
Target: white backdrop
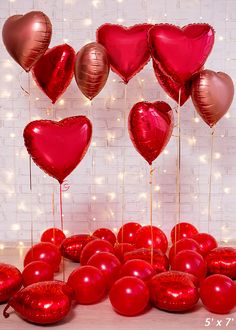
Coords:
pixel 96 186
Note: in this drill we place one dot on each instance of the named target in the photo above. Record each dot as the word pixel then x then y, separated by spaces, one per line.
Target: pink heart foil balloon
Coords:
pixel 150 128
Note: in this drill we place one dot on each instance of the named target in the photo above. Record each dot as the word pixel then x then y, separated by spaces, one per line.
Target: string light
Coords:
pixel 112 195
pixel 96 3
pixel 166 152
pixel 221 38
pixel 88 21
pixel 94 197
pixel 157 188
pixel 217 155
pixel 7 64
pixel 120 20
pixel 62 102
pixel 2 246
pixel 192 141
pixel 15 226
pixel 94 144
pixel 226 190
pixel 203 159
pixel 217 175
pixel 197 120
pixel 143 195
pixel 227 115
pixel 99 180
pixel 8 77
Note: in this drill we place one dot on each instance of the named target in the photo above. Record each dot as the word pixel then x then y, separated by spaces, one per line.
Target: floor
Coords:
pixel 101 316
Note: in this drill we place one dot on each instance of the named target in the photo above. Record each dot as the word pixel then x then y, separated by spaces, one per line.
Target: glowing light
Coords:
pixel 228 59
pixel 196 119
pixel 88 103
pixel 164 171
pixel 217 155
pixel 87 21
pixel 165 14
pixel 94 219
pixel 118 119
pixel 114 80
pixel 36 26
pixel 66 232
pixel 192 141
pixel 221 38
pixel 12 135
pixel 94 197
pixel 110 136
pixel 120 20
pixel 62 102
pixel 217 175
pixel 143 195
pixel 203 159
pixel 115 230
pixel 8 77
pixel 120 1
pixel 9 175
pixel 166 152
pixel 96 3
pixel 227 190
pixel 9 115
pixel 66 195
pixel 66 40
pixel 15 226
pixel 7 64
pixel 2 246
pixel 99 180
pixel 157 188
pixel 37 98
pixel 227 115
pixel 200 17
pixel 94 144
pixel 21 244
pixel 112 195
pixel 5 94
pixel 21 206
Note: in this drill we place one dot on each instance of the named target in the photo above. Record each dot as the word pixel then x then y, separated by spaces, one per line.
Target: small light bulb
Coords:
pixel 226 190
pixel 157 188
pixel 217 155
pixel 221 38
pixel 87 21
pixel 94 197
pixel 227 115
pixel 196 119
pixel 120 20
pixel 62 102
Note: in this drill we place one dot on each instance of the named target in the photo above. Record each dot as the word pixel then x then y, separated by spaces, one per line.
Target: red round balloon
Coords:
pixel 127 232
pixel 109 265
pixel 173 291
pixel 190 262
pixel 37 271
pixel 127 48
pixel 53 235
pixel 173 47
pixel 42 303
pixel 158 259
pixel 148 237
pixel 218 294
pixel 54 71
pixel 183 244
pixel 150 128
pixel 95 246
pixel 206 241
pixel 183 230
pixel 88 283
pixel 222 260
pixel 177 91
pixel 58 147
pixel 122 248
pixel 10 281
pixel 105 234
pixel 138 268
pixel 129 296
pixel 72 246
pixel 46 252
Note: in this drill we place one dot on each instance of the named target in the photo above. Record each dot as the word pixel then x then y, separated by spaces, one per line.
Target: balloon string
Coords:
pixel 124 161
pixel 151 209
pixel 178 164
pixel 210 179
pixel 62 228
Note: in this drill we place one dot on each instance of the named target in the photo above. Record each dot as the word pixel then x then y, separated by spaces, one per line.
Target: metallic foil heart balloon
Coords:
pixel 212 95
pixel 58 147
pixel 54 71
pixel 72 246
pixel 181 52
pixel 222 260
pixel 26 37
pixel 173 291
pixel 91 69
pixel 127 48
pixel 42 303
pixel 177 91
pixel 150 128
pixel 10 281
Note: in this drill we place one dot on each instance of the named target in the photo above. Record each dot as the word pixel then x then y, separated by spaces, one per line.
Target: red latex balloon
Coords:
pixel 46 252
pixel 181 51
pixel 88 283
pixel 27 37
pixel 10 281
pixel 109 265
pixel 206 241
pixel 127 232
pixel 182 230
pixel 173 292
pixel 150 128
pixel 53 235
pixel 148 237
pixel 97 245
pixel 121 249
pixel 37 271
pixel 190 262
pixel 105 234
pixel 42 303
pixel 129 296
pixel 72 246
pixel 218 294
pixel 222 260
pixel 138 268
pixel 127 48
pixel 170 86
pixel 58 147
pixel 183 244
pixel 54 71
pixel 160 261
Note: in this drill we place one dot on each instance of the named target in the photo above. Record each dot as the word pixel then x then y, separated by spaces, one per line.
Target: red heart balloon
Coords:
pixel 222 260
pixel 54 71
pixel 127 48
pixel 170 86
pixel 26 37
pixel 181 51
pixel 42 303
pixel 173 291
pixel 58 147
pixel 150 128
pixel 10 281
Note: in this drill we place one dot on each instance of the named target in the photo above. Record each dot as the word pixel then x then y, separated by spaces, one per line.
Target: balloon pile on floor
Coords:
pixel 132 268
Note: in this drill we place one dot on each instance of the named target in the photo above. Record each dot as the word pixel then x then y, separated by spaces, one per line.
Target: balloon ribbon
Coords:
pixel 151 210
pixel 210 179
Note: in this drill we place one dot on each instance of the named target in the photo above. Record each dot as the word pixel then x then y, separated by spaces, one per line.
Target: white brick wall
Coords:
pixel 103 180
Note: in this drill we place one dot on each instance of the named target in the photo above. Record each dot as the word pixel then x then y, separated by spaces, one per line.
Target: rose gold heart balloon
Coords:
pixel 212 95
pixel 10 281
pixel 42 303
pixel 26 37
pixel 91 69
